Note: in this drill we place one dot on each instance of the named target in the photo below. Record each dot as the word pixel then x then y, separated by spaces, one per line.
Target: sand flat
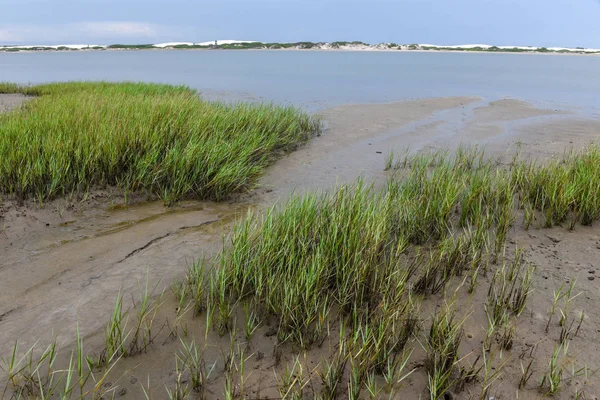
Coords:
pixel 11 101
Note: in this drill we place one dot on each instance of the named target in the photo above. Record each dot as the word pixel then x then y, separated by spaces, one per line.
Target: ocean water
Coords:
pixel 320 79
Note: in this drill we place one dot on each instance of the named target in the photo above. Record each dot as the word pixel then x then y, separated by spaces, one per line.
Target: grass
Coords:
pixel 442 346
pixel 506 299
pixel 159 139
pixel 352 269
pixel 131 46
pixel 552 380
pixel 36 375
pixel 367 256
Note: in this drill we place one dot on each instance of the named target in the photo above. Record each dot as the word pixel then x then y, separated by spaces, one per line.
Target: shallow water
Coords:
pixel 321 79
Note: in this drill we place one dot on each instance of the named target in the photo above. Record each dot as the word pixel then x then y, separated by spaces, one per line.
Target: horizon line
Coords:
pixel 229 41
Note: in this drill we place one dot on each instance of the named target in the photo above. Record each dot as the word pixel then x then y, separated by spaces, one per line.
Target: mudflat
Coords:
pixel 10 101
pixel 64 262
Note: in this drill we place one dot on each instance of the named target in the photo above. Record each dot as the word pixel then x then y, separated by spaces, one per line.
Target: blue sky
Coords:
pixel 501 22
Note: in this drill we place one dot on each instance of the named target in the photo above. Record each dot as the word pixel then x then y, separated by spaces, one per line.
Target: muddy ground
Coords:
pixel 10 101
pixel 64 262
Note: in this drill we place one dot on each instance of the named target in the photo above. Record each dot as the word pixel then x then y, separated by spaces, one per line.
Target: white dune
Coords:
pixel 530 48
pixel 171 44
pixel 219 42
pixel 571 49
pixel 462 46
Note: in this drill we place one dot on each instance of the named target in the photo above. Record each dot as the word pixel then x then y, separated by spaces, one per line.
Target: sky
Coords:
pixel 566 23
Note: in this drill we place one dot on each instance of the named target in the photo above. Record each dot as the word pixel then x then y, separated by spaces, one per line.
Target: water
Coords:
pixel 315 80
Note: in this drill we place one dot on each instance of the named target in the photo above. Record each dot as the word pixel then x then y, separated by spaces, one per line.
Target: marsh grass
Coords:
pixel 442 345
pixel 360 261
pixel 507 295
pixel 34 374
pixel 367 257
pixel 526 373
pixel 123 340
pixel 553 378
pixel 293 381
pixel 154 138
pixel 566 189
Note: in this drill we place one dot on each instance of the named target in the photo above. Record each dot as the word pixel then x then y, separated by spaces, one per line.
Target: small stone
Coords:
pixel 591 278
pixel 133 380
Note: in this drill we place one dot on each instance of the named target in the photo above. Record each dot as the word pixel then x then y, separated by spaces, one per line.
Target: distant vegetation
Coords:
pixel 131 46
pixel 340 44
pixel 153 138
pixel 302 46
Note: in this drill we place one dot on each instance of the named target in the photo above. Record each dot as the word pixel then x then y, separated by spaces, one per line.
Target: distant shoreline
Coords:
pixel 303 46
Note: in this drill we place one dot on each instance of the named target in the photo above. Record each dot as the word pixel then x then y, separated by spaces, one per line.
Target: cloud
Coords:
pixel 102 29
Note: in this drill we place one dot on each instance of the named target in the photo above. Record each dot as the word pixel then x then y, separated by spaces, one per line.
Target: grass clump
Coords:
pixel 565 189
pixel 372 250
pixel 37 375
pixel 442 347
pixel 155 138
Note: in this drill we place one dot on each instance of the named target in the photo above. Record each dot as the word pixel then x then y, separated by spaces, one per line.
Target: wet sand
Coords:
pixel 64 262
pixel 11 101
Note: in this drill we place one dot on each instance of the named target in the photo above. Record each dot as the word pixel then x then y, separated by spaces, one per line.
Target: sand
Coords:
pixel 11 101
pixel 65 262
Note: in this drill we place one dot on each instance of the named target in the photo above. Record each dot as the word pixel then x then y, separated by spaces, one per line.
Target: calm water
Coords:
pixel 320 79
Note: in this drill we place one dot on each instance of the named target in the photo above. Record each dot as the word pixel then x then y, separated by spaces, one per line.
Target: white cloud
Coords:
pixel 109 28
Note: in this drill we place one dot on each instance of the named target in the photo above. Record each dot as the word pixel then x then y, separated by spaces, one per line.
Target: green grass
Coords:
pixel 155 138
pixel 566 189
pixel 367 257
pixel 352 268
pixel 131 46
pixel 358 248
